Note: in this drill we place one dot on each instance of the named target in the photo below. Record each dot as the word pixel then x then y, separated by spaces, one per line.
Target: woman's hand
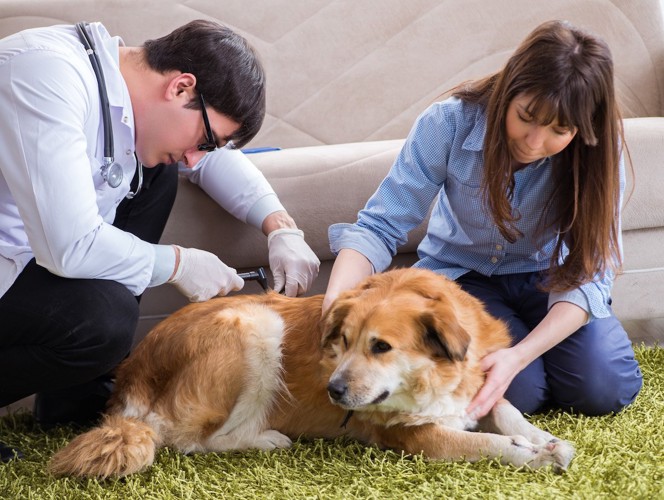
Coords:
pixel 563 319
pixel 500 367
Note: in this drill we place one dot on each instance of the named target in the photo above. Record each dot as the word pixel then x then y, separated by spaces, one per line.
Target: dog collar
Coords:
pixel 346 419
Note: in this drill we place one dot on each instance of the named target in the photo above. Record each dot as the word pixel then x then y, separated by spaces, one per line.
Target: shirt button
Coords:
pixel 499 247
pixel 494 260
pixel 128 152
pixel 125 119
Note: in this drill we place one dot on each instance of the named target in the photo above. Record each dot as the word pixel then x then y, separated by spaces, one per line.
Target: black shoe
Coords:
pixel 8 453
pixel 80 406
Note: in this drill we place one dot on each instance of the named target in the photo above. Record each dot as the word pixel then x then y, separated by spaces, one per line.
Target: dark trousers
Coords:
pixel 61 338
pixel 593 371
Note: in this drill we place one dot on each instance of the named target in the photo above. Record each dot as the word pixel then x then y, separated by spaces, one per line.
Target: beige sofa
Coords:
pixel 346 80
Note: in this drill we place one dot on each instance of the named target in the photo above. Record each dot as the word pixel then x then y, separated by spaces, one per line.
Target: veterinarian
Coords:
pixel 526 174
pixel 82 208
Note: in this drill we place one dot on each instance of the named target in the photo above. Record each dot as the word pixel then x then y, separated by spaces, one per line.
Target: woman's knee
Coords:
pixel 528 392
pixel 529 401
pixel 604 391
pixel 603 377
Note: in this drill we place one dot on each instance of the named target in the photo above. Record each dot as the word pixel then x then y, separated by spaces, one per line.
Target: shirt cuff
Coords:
pixel 263 207
pixel 164 264
pixel 361 240
pixel 576 297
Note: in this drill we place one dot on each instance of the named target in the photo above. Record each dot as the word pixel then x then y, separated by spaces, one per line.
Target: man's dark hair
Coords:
pixel 227 69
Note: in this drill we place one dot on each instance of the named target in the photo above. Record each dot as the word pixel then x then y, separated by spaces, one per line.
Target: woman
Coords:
pixel 527 174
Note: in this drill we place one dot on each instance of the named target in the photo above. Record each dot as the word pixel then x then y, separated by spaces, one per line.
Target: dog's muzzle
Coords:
pixel 337 390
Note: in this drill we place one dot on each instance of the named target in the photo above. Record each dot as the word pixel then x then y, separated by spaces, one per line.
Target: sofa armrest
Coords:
pixel 644 207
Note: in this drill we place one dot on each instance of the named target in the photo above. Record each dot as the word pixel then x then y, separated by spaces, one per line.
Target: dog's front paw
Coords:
pixel 555 453
pixel 561 452
pixel 271 439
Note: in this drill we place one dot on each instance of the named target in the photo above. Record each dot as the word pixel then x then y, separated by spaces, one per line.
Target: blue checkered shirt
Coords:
pixel 442 160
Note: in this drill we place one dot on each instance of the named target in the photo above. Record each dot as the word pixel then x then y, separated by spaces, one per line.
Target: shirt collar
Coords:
pixel 475 139
pixel 108 48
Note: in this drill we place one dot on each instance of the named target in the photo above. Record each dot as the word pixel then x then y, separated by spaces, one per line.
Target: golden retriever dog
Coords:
pixel 393 363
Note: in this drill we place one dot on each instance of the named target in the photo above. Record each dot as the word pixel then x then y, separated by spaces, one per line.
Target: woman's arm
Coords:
pixel 349 269
pixel 401 203
pixel 562 320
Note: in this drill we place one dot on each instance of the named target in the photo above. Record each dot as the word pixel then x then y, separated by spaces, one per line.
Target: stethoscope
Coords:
pixel 111 172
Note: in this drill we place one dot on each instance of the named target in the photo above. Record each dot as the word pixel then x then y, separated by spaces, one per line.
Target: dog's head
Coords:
pixel 399 341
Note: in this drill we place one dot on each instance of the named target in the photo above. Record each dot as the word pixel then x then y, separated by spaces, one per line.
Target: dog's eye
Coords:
pixel 380 347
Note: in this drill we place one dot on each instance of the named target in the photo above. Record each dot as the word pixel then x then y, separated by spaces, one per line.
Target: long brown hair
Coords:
pixel 568 73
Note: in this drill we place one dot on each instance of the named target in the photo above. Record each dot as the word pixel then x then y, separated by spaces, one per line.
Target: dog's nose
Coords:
pixel 336 389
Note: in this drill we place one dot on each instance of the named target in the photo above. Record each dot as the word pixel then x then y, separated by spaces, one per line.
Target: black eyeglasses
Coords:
pixel 211 144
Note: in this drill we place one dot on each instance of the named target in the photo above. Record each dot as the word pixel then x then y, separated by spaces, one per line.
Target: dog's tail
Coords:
pixel 118 447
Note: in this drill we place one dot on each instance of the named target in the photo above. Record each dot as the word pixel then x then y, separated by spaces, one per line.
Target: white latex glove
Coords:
pixel 200 275
pixel 292 262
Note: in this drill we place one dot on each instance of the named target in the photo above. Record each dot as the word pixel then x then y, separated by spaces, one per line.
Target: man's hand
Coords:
pixel 200 275
pixel 293 263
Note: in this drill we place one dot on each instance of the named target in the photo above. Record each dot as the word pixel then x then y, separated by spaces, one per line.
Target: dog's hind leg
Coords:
pixel 263 383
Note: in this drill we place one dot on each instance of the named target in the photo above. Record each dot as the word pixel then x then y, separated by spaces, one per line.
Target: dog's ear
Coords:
pixel 333 320
pixel 444 336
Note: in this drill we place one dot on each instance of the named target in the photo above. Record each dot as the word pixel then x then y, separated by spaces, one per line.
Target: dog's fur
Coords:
pixel 401 351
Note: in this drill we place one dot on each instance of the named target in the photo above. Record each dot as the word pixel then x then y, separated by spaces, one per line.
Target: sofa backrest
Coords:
pixel 348 71
pixel 359 71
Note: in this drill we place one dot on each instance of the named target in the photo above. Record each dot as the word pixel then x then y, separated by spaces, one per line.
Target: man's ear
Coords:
pixel 181 86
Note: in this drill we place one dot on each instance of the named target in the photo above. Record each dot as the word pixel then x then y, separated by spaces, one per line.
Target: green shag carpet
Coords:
pixel 617 457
